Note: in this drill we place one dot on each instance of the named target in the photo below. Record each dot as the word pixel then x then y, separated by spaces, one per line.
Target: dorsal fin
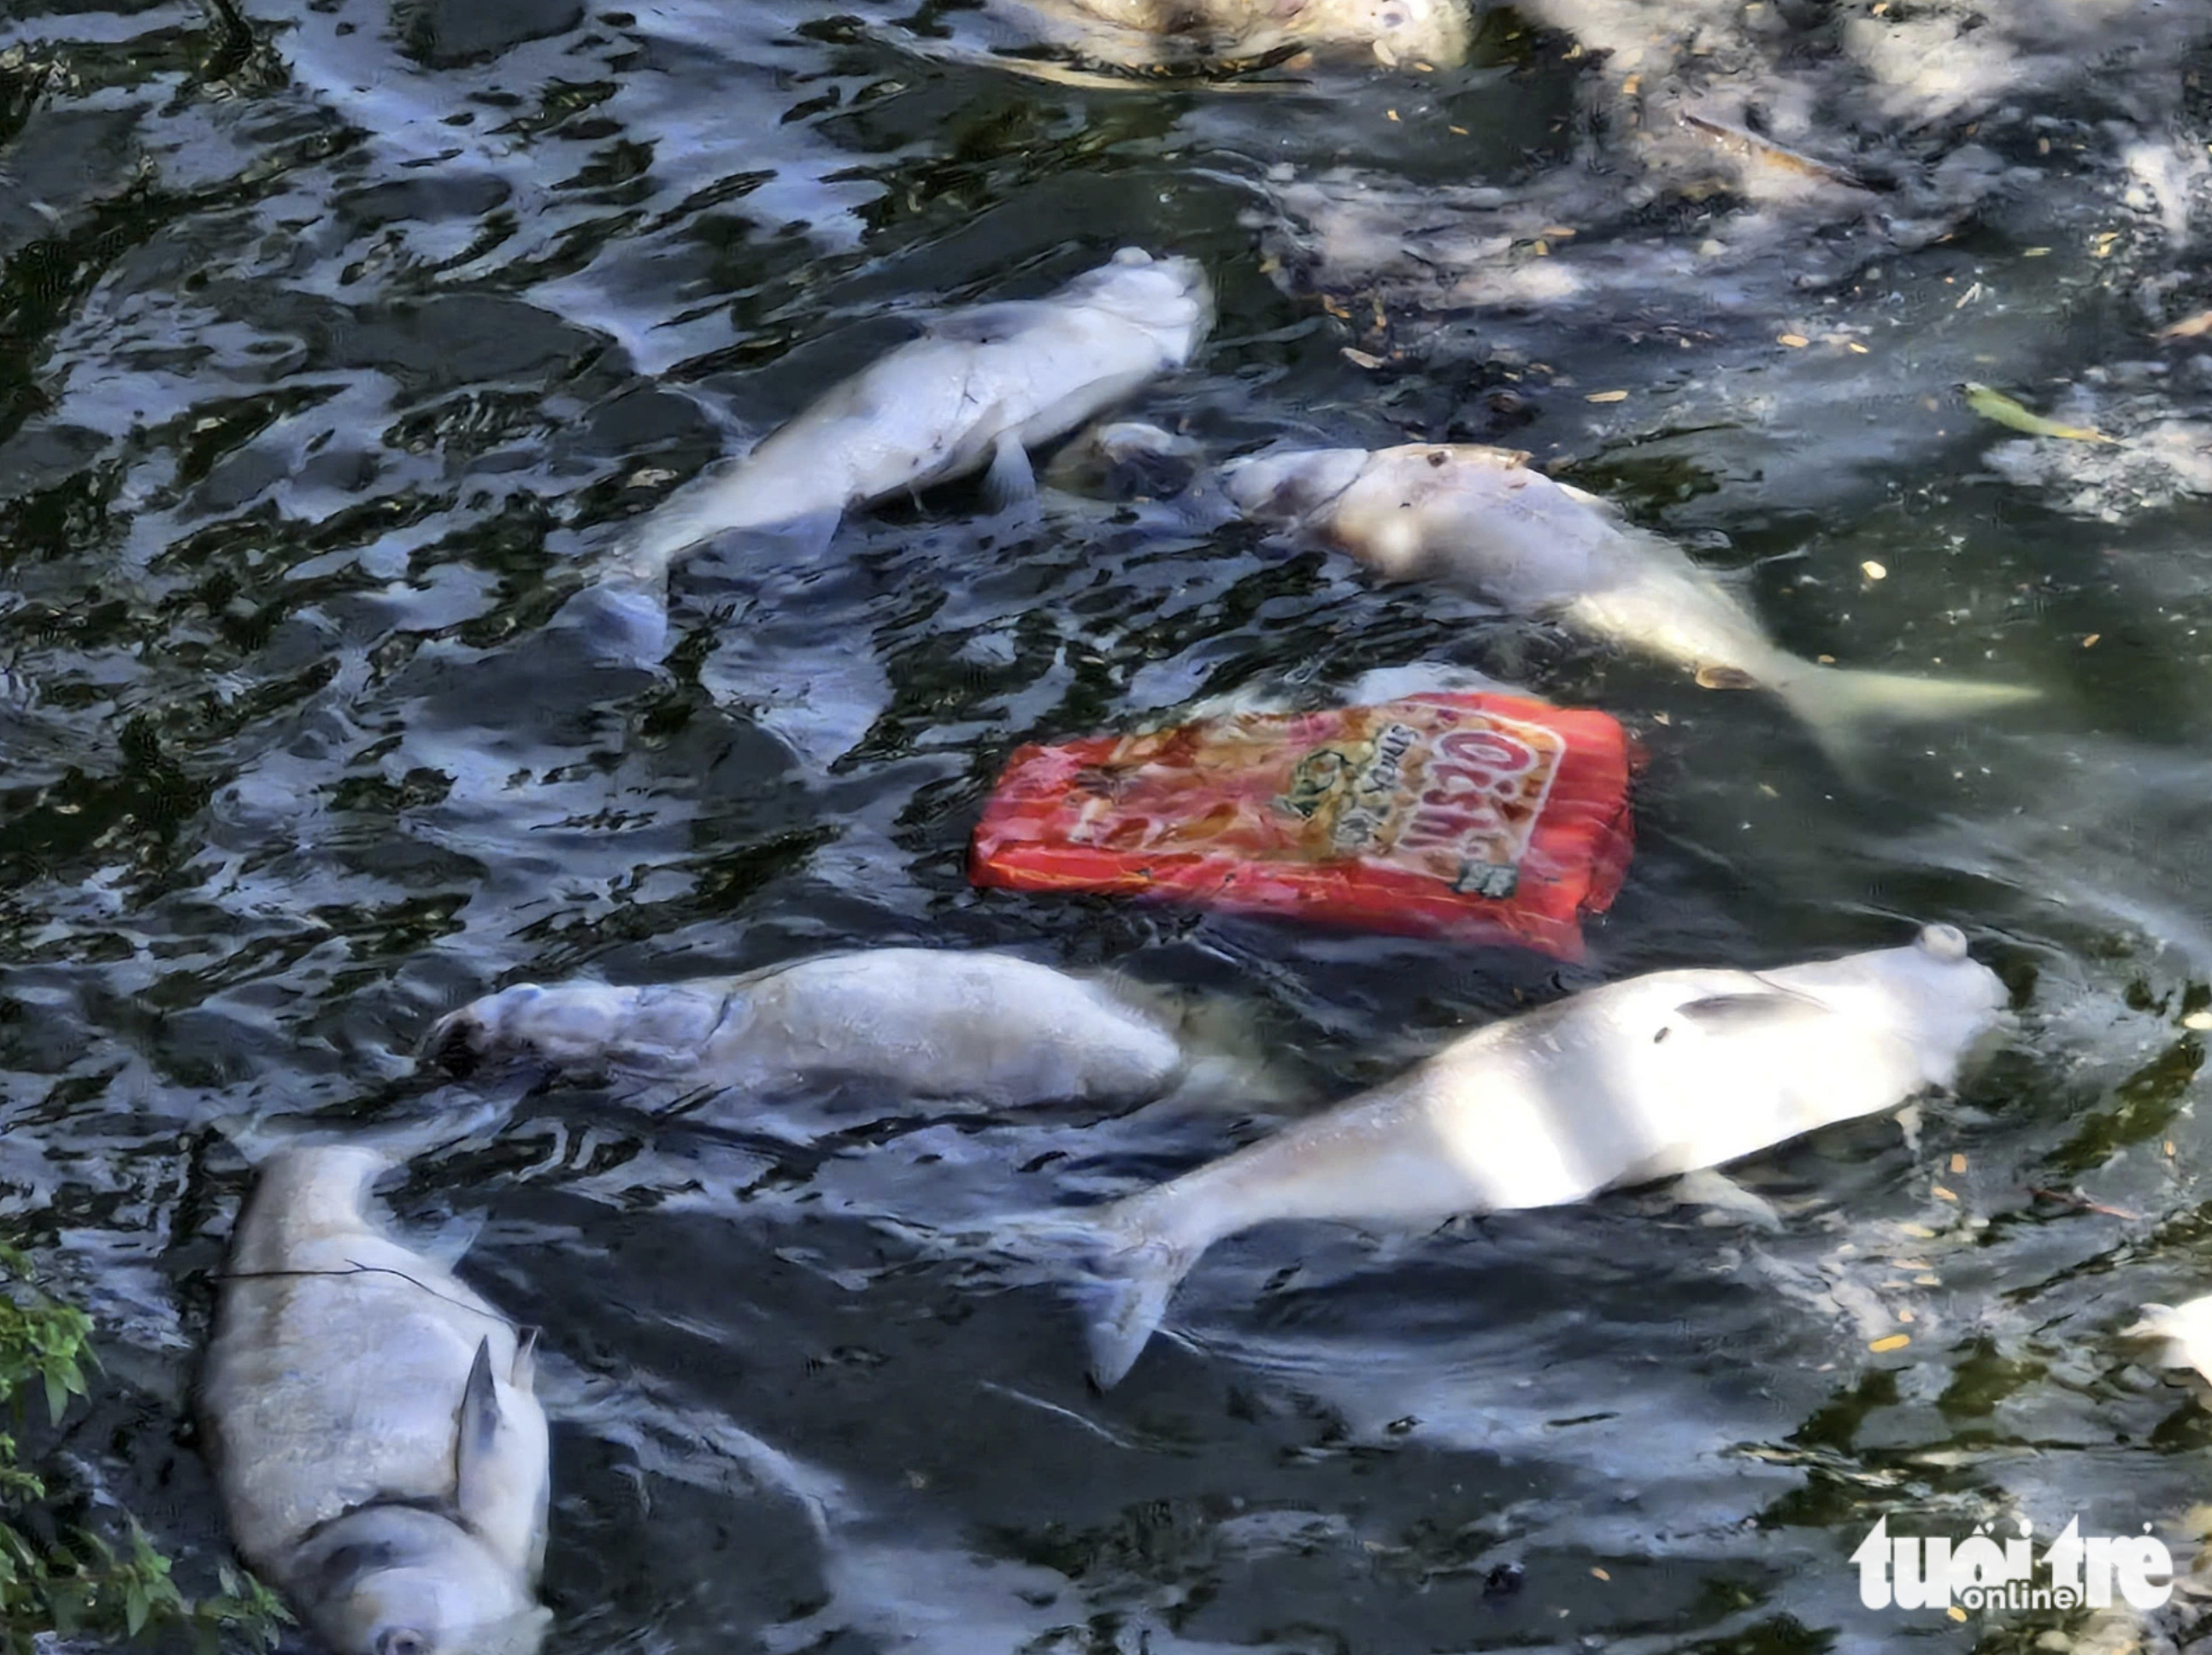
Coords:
pixel 479 1425
pixel 1716 1013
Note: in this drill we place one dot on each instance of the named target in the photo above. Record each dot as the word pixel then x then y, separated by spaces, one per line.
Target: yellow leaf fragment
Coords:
pixel 1725 678
pixel 2090 643
pixel 1855 347
pixel 1606 396
pixel 2189 328
pixel 1955 1612
pixel 1795 341
pixel 1873 571
pixel 1993 405
pixel 2197 1020
pixel 1895 1341
pixel 1600 1574
pixel 1940 1193
pixel 1958 1163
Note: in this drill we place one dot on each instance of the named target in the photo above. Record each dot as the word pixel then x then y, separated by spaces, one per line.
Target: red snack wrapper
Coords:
pixel 1476 817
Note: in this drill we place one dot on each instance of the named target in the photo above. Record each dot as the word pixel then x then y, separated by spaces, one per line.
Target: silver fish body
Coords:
pixel 923 1022
pixel 1146 33
pixel 1651 1077
pixel 382 1458
pixel 979 387
pixel 1480 520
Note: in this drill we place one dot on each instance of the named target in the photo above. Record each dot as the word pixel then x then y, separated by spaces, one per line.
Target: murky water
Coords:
pixel 331 343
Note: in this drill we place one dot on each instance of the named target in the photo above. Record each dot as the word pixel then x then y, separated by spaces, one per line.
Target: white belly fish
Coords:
pixel 980 387
pixel 2184 1333
pixel 1480 520
pixel 1650 1078
pixel 1154 33
pixel 925 1022
pixel 382 1458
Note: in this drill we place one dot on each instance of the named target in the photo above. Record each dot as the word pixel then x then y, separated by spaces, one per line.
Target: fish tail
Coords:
pixel 1124 1301
pixel 1128 1270
pixel 447 1116
pixel 1845 709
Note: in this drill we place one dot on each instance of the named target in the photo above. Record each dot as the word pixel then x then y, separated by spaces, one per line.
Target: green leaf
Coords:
pixel 134 1608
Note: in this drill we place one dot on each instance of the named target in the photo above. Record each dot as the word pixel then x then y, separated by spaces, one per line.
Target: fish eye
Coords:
pixel 402 1640
pixel 1945 942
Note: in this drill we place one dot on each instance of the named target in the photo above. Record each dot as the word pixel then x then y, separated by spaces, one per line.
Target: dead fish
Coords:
pixel 1126 459
pixel 925 1022
pixel 1482 520
pixel 2184 1333
pixel 980 387
pixel 371 1419
pixel 1650 1078
pixel 1146 33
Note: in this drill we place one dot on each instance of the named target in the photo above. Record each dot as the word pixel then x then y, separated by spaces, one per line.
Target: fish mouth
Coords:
pixel 1289 486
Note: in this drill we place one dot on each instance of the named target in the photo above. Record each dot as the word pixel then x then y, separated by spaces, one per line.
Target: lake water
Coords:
pixel 334 339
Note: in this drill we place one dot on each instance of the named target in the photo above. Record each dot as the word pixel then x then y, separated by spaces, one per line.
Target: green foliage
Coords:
pixel 86 1583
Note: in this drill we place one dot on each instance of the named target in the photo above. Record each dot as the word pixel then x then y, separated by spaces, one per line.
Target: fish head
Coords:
pixel 1296 487
pixel 1931 993
pixel 564 1024
pixel 399 1580
pixel 1434 32
pixel 1170 299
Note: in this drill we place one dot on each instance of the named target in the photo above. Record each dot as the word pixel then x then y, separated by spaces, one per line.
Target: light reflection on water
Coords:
pixel 327 348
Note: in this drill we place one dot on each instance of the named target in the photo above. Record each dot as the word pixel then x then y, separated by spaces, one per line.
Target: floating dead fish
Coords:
pixel 924 1022
pixel 2184 1333
pixel 382 1458
pixel 980 387
pixel 1148 35
pixel 1482 520
pixel 1649 1078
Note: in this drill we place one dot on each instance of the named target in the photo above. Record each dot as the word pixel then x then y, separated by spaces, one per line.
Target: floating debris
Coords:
pixel 1895 1341
pixel 1741 141
pixel 1993 405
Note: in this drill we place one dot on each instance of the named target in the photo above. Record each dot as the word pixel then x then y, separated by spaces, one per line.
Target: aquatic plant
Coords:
pixel 58 1579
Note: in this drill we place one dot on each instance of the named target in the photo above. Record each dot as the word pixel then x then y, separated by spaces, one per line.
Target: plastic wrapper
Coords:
pixel 1473 816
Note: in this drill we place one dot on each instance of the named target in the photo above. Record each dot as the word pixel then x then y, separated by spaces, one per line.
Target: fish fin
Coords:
pixel 623 619
pixel 1011 481
pixel 479 1410
pixel 481 1483
pixel 1124 1302
pixel 799 540
pixel 1125 1274
pixel 1721 1013
pixel 1845 710
pixel 523 1374
pixel 449 1245
pixel 1725 1200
